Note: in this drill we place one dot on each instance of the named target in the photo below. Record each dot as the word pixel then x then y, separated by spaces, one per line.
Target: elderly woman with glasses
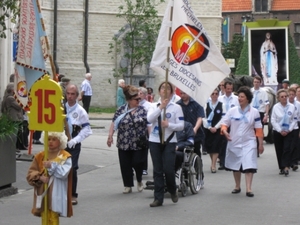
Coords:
pixel 284 121
pixel 130 120
pixel 241 153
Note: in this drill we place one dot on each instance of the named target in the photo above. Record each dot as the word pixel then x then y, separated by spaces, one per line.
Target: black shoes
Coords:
pixel 174 197
pixel 37 142
pixel 249 194
pixel 156 203
pixel 295 167
pixel 236 191
pixel 286 173
pixel 221 168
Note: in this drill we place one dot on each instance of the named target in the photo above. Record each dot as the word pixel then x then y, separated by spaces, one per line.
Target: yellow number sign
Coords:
pixel 46 112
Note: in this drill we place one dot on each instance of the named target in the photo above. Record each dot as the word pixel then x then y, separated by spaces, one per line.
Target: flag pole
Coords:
pixel 46 216
pixel 47 45
pixel 167 68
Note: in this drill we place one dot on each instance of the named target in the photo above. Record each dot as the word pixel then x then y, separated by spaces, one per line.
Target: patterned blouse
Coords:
pixel 131 127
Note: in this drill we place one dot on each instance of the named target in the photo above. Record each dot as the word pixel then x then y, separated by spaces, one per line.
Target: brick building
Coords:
pixel 235 12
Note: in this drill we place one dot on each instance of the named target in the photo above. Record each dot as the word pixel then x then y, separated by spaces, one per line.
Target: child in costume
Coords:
pixel 56 171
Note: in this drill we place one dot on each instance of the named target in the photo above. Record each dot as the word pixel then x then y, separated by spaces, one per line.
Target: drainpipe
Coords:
pixel 55 37
pixel 86 29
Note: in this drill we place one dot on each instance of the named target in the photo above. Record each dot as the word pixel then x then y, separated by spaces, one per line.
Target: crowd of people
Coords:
pixel 229 128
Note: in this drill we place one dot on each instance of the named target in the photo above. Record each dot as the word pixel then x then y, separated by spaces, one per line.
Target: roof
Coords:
pixel 246 5
pixel 279 5
pixel 236 5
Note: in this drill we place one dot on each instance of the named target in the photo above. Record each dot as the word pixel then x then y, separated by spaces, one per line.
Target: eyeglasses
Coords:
pixel 283 96
pixel 215 94
pixel 137 99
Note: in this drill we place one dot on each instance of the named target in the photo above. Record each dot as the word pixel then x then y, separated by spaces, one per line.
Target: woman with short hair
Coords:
pixel 241 153
pixel 131 122
pixel 284 121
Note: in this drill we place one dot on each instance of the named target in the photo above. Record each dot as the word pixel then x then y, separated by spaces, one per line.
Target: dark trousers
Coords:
pixel 75 152
pixel 295 148
pixel 37 135
pixel 163 159
pixel 131 159
pixel 197 147
pixel 25 133
pixel 86 100
pixel 145 164
pixel 283 148
pixel 222 153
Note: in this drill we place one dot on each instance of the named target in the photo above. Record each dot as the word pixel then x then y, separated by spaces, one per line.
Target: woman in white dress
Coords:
pixel 245 126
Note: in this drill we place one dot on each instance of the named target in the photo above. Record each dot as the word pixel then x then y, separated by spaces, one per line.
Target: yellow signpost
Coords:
pixel 46 114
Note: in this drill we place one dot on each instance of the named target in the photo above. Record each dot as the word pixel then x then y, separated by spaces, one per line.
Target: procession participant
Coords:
pixel 143 95
pixel 80 129
pixel 163 150
pixel 241 151
pixel 283 120
pixel 295 146
pixel 131 122
pixel 55 170
pixel 260 101
pixel 229 100
pixel 212 123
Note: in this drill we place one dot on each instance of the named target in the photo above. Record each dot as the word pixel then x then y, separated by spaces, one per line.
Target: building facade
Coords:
pixel 236 12
pixel 79 34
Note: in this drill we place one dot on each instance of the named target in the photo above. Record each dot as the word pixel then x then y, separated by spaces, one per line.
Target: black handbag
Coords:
pixel 143 142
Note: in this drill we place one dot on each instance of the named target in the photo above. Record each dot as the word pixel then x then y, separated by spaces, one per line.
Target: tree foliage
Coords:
pixel 136 40
pixel 294 62
pixel 10 10
pixel 243 64
pixel 232 50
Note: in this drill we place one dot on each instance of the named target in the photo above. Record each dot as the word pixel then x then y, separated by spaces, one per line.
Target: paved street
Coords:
pixel 101 201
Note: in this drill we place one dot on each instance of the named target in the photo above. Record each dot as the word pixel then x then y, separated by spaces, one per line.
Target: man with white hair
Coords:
pixel 86 92
pixel 120 94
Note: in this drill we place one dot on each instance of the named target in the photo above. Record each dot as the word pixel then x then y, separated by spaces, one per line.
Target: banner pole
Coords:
pixel 47 45
pixel 45 215
pixel 167 69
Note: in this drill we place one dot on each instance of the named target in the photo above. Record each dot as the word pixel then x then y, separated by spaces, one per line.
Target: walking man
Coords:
pixel 79 127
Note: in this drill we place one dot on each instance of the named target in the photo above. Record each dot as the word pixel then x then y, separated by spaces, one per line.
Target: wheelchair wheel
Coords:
pixel 183 189
pixel 195 173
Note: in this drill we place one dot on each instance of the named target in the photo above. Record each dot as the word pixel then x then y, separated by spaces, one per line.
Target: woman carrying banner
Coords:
pixel 163 149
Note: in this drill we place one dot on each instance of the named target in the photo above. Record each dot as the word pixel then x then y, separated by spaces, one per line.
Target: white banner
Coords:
pixel 196 65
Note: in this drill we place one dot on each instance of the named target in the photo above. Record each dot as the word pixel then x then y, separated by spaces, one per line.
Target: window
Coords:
pixel 261 5
pixel 297 34
pixel 238 28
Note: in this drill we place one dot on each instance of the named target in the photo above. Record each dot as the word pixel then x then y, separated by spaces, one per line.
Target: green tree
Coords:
pixel 136 40
pixel 232 50
pixel 243 65
pixel 10 10
pixel 294 62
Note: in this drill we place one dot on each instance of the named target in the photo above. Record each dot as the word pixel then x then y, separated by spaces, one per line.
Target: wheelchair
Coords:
pixel 190 174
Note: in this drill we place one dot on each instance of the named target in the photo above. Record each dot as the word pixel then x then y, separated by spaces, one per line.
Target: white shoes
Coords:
pixel 140 186
pixel 127 190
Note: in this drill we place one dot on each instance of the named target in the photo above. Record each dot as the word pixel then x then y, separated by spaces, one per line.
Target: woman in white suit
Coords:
pixel 241 153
